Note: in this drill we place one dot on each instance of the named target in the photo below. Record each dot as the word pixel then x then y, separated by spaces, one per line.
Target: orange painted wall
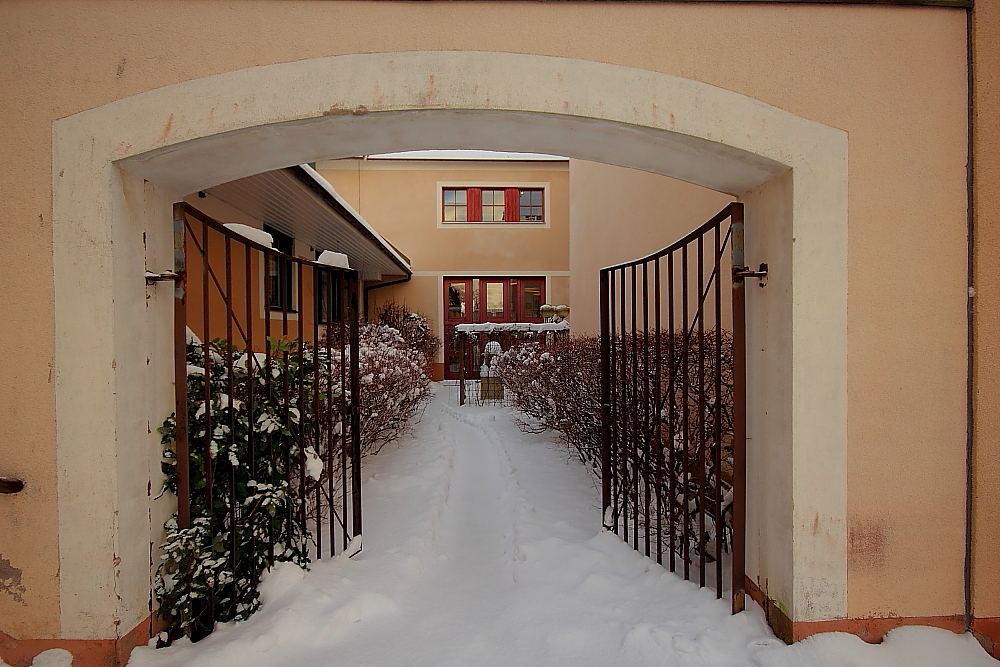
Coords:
pixel 892 77
pixel 986 483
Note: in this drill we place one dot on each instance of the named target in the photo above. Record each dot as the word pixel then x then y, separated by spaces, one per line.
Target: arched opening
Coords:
pixel 118 168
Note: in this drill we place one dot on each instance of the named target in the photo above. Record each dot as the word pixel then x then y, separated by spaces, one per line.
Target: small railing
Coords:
pixel 673 403
pixel 263 450
pixel 479 345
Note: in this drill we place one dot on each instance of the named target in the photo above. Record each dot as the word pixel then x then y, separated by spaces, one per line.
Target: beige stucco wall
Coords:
pixel 400 199
pixel 620 214
pixel 893 78
pixel 986 553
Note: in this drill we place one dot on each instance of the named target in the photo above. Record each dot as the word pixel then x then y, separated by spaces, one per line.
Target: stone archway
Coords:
pixel 116 169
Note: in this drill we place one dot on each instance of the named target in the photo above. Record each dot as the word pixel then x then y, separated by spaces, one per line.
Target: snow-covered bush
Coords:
pixel 243 462
pixel 395 385
pixel 559 388
pixel 413 327
pixel 260 458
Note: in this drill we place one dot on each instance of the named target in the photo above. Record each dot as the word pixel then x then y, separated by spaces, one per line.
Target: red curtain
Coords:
pixel 512 205
pixel 474 204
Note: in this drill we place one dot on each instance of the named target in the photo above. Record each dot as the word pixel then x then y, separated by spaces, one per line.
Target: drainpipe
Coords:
pixel 970 323
pixel 371 287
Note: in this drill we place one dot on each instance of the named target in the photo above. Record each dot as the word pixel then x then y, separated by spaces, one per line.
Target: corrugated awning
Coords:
pixel 299 202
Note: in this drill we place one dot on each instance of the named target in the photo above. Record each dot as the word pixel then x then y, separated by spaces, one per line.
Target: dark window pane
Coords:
pixel 327 296
pixel 531 208
pixel 532 300
pixel 513 300
pixel 475 299
pixel 456 301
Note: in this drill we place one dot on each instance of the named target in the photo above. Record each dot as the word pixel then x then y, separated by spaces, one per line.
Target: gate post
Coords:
pixel 461 367
pixel 739 413
pixel 605 401
pixel 180 373
pixel 353 282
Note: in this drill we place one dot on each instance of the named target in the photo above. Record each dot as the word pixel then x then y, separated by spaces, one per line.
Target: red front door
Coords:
pixel 474 300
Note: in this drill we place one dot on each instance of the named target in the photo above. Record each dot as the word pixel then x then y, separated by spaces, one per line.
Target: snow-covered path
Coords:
pixel 482 546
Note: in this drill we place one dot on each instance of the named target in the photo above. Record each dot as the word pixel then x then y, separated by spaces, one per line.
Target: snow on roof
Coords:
pixel 325 184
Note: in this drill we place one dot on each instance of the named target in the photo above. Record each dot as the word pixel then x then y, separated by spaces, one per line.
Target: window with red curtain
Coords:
pixel 493 204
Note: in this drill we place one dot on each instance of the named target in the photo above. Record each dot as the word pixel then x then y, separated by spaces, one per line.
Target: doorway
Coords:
pixel 117 179
pixel 482 300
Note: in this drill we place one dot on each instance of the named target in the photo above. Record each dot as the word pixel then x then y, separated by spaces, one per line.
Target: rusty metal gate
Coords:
pixel 266 433
pixel 673 403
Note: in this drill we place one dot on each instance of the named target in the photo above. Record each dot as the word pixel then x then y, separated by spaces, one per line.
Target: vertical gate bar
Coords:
pixel 613 394
pixel 330 434
pixel 621 460
pixel 658 412
pixel 685 417
pixel 286 292
pixel 645 402
pixel 355 408
pixel 633 411
pixel 720 519
pixel 623 410
pixel 671 411
pixel 286 447
pixel 701 411
pixel 739 414
pixel 180 371
pixel 344 392
pixel 605 402
pixel 251 369
pixel 230 316
pixel 268 393
pixel 461 365
pixel 206 350
pixel 317 282
pixel 300 391
pixel 624 474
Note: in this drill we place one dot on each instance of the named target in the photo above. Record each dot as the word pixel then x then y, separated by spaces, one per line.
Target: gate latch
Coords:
pixel 742 272
pixel 160 277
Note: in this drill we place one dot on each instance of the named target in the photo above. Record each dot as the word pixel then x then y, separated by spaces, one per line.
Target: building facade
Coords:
pixel 863 140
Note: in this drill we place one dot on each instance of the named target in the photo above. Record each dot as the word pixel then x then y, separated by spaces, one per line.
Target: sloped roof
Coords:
pixel 299 202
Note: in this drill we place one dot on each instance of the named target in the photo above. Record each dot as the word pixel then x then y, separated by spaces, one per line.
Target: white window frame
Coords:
pixel 493 185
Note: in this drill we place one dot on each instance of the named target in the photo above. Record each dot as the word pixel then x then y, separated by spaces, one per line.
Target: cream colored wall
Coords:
pixel 986 554
pixel 619 214
pixel 892 77
pixel 400 199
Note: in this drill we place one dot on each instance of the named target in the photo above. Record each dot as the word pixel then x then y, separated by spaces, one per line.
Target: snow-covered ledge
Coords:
pixel 488 327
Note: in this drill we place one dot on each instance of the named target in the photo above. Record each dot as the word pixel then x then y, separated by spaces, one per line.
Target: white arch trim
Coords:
pixel 117 167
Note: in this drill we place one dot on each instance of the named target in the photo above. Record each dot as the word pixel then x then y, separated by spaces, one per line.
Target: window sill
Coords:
pixel 493 225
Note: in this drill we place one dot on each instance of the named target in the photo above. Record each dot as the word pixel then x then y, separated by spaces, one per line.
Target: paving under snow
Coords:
pixel 482 546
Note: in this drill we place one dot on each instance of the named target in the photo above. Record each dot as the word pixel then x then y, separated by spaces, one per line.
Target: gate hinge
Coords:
pixel 10 485
pixel 160 277
pixel 741 272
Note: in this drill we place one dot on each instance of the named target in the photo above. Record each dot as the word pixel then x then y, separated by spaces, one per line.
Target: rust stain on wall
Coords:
pixel 10 581
pixel 166 128
pixel 866 545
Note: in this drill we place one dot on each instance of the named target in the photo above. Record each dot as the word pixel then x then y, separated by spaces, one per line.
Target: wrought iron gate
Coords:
pixel 266 433
pixel 673 403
